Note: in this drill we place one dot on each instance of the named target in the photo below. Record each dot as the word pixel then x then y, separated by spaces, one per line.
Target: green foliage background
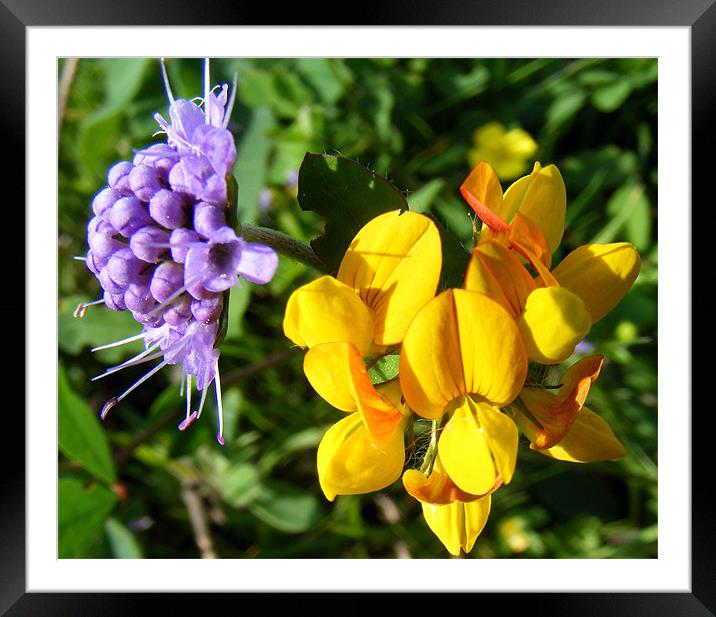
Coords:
pixel 127 487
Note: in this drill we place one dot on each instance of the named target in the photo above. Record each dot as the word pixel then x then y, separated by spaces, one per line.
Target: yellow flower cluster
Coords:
pixel 464 353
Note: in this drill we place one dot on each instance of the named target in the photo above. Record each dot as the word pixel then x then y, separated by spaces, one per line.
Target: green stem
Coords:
pixel 432 452
pixel 285 245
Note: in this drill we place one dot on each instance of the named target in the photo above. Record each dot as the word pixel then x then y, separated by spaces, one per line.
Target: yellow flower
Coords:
pixel 463 358
pixel 507 151
pixel 390 270
pixel 556 309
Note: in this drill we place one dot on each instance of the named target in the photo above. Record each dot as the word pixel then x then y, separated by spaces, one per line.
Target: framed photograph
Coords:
pixel 181 192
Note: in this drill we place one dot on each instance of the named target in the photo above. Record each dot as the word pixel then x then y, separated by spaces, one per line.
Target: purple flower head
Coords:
pixel 217 264
pixel 160 246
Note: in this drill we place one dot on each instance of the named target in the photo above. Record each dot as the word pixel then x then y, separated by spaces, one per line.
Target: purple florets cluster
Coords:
pixel 160 246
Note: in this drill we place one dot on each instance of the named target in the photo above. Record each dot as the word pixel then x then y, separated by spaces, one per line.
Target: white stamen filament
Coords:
pixel 207 81
pixel 230 106
pixel 219 406
pixel 136 360
pixel 79 258
pixel 203 392
pixel 138 383
pixel 167 87
pixel 124 341
pixel 188 396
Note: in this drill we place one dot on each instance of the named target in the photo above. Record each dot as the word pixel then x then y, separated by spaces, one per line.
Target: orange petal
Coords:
pixel 337 372
pixel 527 237
pixel 438 488
pixel 555 413
pixel 482 191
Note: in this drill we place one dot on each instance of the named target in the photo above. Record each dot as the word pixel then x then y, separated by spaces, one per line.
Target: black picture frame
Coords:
pixel 698 15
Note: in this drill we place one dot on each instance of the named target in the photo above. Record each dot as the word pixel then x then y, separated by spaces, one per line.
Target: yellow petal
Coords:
pixel 465 452
pixel 589 439
pixel 553 322
pixel 543 198
pixel 458 524
pixel 438 488
pixel 461 342
pixel 394 264
pixel 554 413
pixel 600 274
pixel 337 372
pixel 482 191
pixel 502 438
pixel 328 311
pixel 496 271
pixel 349 463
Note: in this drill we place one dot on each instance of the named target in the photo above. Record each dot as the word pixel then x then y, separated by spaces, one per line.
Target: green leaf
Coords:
pixel 124 544
pixel 99 134
pixel 285 508
pixel 251 163
pixel 421 200
pixel 319 73
pixel 628 208
pixel 81 513
pixel 123 78
pixel 99 326
pixel 80 435
pixel 238 484
pixel 347 195
pixel 564 108
pixel 610 97
pixel 384 369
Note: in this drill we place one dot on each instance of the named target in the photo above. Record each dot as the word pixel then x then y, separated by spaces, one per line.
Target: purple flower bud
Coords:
pixel 179 312
pixel 128 215
pixel 124 268
pixel 197 291
pixel 168 278
pixel 139 298
pixel 145 182
pixel 161 157
pixel 209 310
pixel 105 279
pixel 118 177
pixel 179 240
pixel 93 264
pixel 102 245
pixel 98 225
pixel 167 209
pixel 208 219
pixel 148 319
pixel 103 202
pixel 144 243
pixel 114 301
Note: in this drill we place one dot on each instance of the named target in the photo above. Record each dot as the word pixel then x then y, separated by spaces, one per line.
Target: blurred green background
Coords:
pixel 137 487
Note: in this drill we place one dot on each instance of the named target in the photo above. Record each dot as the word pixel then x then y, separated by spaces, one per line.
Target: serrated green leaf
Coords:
pixel 123 542
pixel 286 508
pixel 81 437
pixel 347 195
pixel 455 257
pixel 81 513
pixel 384 369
